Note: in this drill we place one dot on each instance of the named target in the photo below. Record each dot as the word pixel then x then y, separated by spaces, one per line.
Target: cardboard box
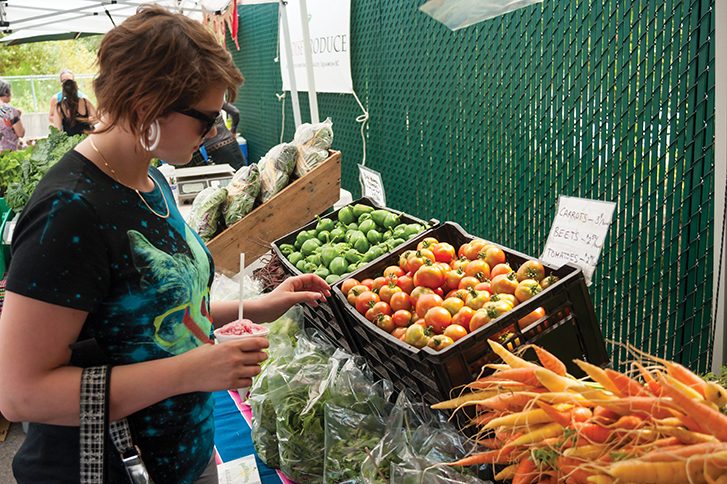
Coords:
pixel 295 205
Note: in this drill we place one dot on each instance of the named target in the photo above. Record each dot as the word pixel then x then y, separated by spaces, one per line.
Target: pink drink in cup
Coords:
pixel 241 328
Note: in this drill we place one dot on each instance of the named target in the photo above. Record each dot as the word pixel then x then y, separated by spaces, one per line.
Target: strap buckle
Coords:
pixel 135 467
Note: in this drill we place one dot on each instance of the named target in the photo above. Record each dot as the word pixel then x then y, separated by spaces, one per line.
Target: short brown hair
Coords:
pixel 160 60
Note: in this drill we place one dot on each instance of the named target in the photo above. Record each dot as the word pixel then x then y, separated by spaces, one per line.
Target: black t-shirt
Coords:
pixel 86 242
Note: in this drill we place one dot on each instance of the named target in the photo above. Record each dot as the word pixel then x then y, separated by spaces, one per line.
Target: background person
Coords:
pixel 74 115
pixel 120 265
pixel 11 127
pixel 223 147
pixel 57 97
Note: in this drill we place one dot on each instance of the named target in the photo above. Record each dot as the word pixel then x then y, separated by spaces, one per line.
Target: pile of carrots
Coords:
pixel 661 424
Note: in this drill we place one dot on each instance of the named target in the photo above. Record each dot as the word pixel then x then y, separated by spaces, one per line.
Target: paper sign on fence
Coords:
pixel 579 229
pixel 239 471
pixel 372 186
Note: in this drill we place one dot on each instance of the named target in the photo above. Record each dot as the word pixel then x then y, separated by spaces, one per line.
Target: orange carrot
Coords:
pixel 526 472
pixel 484 418
pixel 550 361
pixel 684 435
pixel 649 406
pixel 526 417
pixel 712 421
pixel 626 386
pixel 571 470
pixel 592 433
pixel 500 456
pixel 686 376
pixel 597 374
pixel 628 422
pixel 653 385
pixel 680 471
pixel 465 398
pixel 563 418
pixel 683 451
pixel 604 416
pixel 536 435
pixel 525 375
pixel 554 382
pixel 511 385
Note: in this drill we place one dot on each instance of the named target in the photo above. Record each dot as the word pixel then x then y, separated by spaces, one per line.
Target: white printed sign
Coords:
pixel 579 229
pixel 329 27
pixel 239 471
pixel 372 186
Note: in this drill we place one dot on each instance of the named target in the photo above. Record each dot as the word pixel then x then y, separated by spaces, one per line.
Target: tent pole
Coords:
pixel 312 98
pixel 291 67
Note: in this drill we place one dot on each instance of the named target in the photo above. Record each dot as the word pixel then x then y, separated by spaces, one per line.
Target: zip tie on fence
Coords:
pixel 362 119
pixel 281 97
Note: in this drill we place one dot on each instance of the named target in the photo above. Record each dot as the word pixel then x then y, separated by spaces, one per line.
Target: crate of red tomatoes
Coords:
pixel 423 314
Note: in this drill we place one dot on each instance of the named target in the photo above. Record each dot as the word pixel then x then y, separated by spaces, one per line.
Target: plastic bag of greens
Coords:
pixel 313 142
pixel 272 180
pixel 299 396
pixel 241 193
pixel 355 422
pixel 416 441
pixel 283 157
pixel 205 217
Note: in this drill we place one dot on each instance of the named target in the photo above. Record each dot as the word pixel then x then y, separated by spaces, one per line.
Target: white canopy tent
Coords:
pixel 42 20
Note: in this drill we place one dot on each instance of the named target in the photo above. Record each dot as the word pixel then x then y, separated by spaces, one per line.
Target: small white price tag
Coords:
pixel 372 186
pixel 579 229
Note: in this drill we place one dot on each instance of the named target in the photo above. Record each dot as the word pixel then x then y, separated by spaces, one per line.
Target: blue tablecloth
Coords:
pixel 232 435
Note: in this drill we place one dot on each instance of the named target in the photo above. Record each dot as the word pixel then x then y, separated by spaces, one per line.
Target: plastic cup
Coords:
pixel 221 338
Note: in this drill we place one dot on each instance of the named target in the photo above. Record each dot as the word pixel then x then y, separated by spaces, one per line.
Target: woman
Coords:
pixel 11 127
pixel 101 252
pixel 73 114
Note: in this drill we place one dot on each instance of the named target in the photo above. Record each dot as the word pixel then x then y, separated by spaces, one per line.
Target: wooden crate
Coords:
pixel 295 205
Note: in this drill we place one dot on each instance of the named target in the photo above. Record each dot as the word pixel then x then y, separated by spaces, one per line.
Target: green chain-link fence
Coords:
pixel 488 125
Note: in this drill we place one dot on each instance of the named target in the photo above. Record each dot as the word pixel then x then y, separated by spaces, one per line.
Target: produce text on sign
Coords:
pixel 578 232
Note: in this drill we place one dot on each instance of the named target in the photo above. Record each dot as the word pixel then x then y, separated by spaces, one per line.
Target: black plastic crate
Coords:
pixel 323 317
pixel 569 330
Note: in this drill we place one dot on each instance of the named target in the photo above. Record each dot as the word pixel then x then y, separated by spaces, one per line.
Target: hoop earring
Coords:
pixel 150 138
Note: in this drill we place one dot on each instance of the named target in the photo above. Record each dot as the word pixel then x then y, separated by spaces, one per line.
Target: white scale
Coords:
pixel 192 180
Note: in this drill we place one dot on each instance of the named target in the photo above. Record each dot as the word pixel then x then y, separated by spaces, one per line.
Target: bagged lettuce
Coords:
pixel 241 194
pixel 313 142
pixel 205 217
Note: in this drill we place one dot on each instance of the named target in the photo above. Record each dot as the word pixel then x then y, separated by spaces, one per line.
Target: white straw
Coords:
pixel 242 279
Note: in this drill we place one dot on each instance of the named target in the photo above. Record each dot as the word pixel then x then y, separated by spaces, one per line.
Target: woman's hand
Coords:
pixel 224 366
pixel 306 288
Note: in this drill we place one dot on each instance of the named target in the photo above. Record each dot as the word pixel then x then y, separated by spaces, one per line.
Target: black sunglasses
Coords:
pixel 209 121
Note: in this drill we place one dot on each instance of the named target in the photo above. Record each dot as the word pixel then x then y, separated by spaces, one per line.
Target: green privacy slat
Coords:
pixel 488 125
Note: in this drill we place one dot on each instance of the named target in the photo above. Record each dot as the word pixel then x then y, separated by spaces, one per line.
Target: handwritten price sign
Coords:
pixel 372 186
pixel 579 229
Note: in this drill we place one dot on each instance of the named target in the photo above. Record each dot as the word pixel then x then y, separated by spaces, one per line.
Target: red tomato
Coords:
pixel 392 272
pixel 478 268
pixel 406 283
pixel 526 289
pixel 355 292
pixel 485 285
pixel 494 255
pixel 477 299
pixel 479 319
pixel 348 284
pixel 495 309
pixel 460 263
pixel 453 305
pixel 400 300
pixel 531 269
pixel 505 283
pixel 439 342
pixel 468 281
pixel 385 322
pixel 399 333
pixel 439 291
pixel 368 283
pixel 508 298
pixel 460 293
pixel 378 308
pixel 503 268
pixel 366 300
pixel 429 275
pixel 438 318
pixel 417 292
pixel 378 283
pixel 388 290
pixel 427 243
pixel 403 258
pixel 463 316
pixel 444 252
pixel 402 318
pixel 455 331
pixel 474 248
pixel 426 302
pixel 548 281
pixel 415 261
